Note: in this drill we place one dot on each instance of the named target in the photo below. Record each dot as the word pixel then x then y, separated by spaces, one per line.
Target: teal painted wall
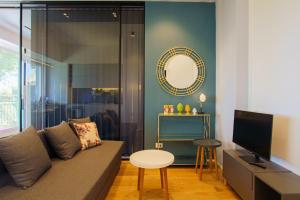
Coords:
pixel 169 25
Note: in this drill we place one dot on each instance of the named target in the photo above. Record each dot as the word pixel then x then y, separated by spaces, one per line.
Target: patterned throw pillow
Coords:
pixel 88 134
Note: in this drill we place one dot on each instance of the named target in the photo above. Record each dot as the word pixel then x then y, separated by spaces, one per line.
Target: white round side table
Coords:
pixel 152 159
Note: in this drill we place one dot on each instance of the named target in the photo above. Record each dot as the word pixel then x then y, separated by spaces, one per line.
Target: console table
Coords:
pixel 255 183
pixel 205 117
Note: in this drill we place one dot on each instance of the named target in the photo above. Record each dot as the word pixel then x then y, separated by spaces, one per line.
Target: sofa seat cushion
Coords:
pixel 78 178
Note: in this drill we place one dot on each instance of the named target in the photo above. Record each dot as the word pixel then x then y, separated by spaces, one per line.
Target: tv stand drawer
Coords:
pixel 238 177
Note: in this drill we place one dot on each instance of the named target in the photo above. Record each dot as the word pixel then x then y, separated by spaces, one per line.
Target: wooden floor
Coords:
pixel 183 184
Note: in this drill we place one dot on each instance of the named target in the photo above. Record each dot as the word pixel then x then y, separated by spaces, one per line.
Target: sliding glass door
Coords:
pixel 9 71
pixel 72 64
pixel 85 61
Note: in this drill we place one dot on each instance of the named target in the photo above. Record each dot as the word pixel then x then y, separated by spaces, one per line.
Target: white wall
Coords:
pixel 258 47
pixel 274 53
pixel 232 66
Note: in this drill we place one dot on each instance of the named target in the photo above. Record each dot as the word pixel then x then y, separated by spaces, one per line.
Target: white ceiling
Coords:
pixel 9 19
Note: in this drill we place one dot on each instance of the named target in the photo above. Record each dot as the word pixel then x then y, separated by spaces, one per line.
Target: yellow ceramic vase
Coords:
pixel 187 108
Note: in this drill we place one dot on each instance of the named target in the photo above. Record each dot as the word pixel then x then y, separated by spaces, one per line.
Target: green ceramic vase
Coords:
pixel 179 108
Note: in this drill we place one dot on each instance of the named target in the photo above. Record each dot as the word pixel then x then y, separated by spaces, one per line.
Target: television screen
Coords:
pixel 253 131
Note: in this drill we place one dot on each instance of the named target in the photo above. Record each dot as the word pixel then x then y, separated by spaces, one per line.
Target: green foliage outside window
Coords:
pixel 9 90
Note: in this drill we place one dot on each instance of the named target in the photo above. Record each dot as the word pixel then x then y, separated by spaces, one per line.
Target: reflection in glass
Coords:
pixel 76 60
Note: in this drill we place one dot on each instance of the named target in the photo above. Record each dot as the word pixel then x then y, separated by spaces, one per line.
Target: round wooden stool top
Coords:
pixel 152 159
pixel 207 142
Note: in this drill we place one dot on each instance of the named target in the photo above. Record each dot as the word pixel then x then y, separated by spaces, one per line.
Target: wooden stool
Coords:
pixel 152 159
pixel 211 145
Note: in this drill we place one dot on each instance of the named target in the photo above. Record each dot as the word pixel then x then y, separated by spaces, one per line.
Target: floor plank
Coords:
pixel 183 184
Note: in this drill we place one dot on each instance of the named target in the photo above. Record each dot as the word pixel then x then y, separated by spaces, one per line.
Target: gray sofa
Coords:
pixel 88 175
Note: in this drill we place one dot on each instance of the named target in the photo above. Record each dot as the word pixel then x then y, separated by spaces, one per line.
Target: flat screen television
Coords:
pixel 253 131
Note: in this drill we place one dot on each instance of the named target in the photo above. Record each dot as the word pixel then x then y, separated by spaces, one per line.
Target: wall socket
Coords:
pixel 159 145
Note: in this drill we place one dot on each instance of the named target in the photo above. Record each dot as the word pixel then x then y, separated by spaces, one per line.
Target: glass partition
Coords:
pixel 85 61
pixel 72 65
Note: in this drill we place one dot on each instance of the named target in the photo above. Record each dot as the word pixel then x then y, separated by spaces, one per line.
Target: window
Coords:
pixel 9 71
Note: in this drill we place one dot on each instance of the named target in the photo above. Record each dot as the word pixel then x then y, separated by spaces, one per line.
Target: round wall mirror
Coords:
pixel 180 71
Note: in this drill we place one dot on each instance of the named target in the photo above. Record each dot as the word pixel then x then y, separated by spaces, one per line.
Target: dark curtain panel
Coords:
pixel 85 61
pixel 132 78
pixel 86 84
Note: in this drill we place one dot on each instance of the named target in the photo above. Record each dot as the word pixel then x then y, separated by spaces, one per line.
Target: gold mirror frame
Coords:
pixel 161 76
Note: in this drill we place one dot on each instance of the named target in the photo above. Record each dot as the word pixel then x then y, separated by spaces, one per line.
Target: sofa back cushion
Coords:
pixel 63 140
pixel 5 178
pixel 50 151
pixel 2 168
pixel 24 157
pixel 78 121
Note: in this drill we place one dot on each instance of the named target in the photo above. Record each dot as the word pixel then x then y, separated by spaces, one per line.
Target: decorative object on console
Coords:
pixel 166 109
pixel 187 108
pixel 171 109
pixel 194 111
pixel 180 71
pixel 179 107
pixel 202 99
pixel 88 134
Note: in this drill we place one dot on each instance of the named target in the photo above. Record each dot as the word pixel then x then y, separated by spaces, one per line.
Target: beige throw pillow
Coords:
pixel 88 134
pixel 78 121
